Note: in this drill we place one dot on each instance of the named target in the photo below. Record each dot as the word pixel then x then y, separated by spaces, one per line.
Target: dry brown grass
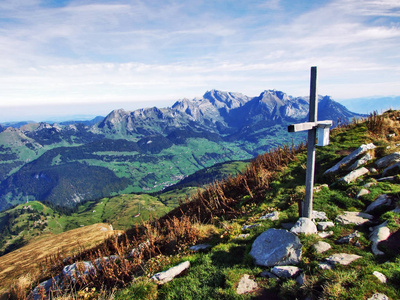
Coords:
pixel 29 259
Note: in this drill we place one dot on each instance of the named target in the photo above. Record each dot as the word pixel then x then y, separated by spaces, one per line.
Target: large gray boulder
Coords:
pixel 392 170
pixel 276 247
pixel 304 225
pixel 346 160
pixel 380 201
pixel 388 160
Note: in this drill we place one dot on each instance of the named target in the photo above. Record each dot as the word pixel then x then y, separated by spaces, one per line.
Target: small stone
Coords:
pixel 166 276
pixel 246 227
pixel 353 175
pixel 347 239
pixel 200 247
pixel 325 266
pixel 362 192
pixel 271 216
pixel 321 226
pixel 321 247
pixel 342 258
pixel 246 285
pixel 369 184
pixel 379 296
pixel 285 271
pixel 373 170
pixel 325 234
pixel 353 217
pixel 362 161
pixel 382 278
pixel 320 215
pixel 243 236
pixel 304 225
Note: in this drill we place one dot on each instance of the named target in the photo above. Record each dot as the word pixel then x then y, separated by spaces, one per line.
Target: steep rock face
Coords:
pixel 213 107
pixel 329 109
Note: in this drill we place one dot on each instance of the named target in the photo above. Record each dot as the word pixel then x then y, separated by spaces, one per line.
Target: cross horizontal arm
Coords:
pixel 301 126
pixel 309 125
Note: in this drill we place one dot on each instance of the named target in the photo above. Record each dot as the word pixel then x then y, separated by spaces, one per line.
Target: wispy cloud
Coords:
pixel 137 50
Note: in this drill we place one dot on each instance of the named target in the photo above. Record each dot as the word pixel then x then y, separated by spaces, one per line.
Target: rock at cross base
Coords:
pixel 304 225
pixel 353 217
pixel 321 226
pixel 346 160
pixel 276 247
pixel 246 285
pixel 320 215
pixel 166 276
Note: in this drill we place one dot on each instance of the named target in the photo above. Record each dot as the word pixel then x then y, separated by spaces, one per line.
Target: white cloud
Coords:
pixel 137 50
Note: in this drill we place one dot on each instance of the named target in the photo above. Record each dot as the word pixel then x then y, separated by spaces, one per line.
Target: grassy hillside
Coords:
pixel 26 222
pixel 215 215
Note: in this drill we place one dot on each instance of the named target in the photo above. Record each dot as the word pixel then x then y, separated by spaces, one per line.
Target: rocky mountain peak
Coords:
pixel 116 115
pixel 228 100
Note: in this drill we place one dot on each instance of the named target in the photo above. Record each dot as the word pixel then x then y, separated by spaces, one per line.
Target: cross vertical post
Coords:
pixel 314 128
pixel 312 134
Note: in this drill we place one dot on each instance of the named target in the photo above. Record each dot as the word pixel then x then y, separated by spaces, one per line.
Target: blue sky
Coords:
pixel 89 57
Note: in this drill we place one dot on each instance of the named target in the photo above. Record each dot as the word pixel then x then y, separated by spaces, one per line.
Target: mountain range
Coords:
pixel 147 149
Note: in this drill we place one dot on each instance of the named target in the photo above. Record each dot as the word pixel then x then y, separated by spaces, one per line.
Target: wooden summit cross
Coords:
pixel 314 127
